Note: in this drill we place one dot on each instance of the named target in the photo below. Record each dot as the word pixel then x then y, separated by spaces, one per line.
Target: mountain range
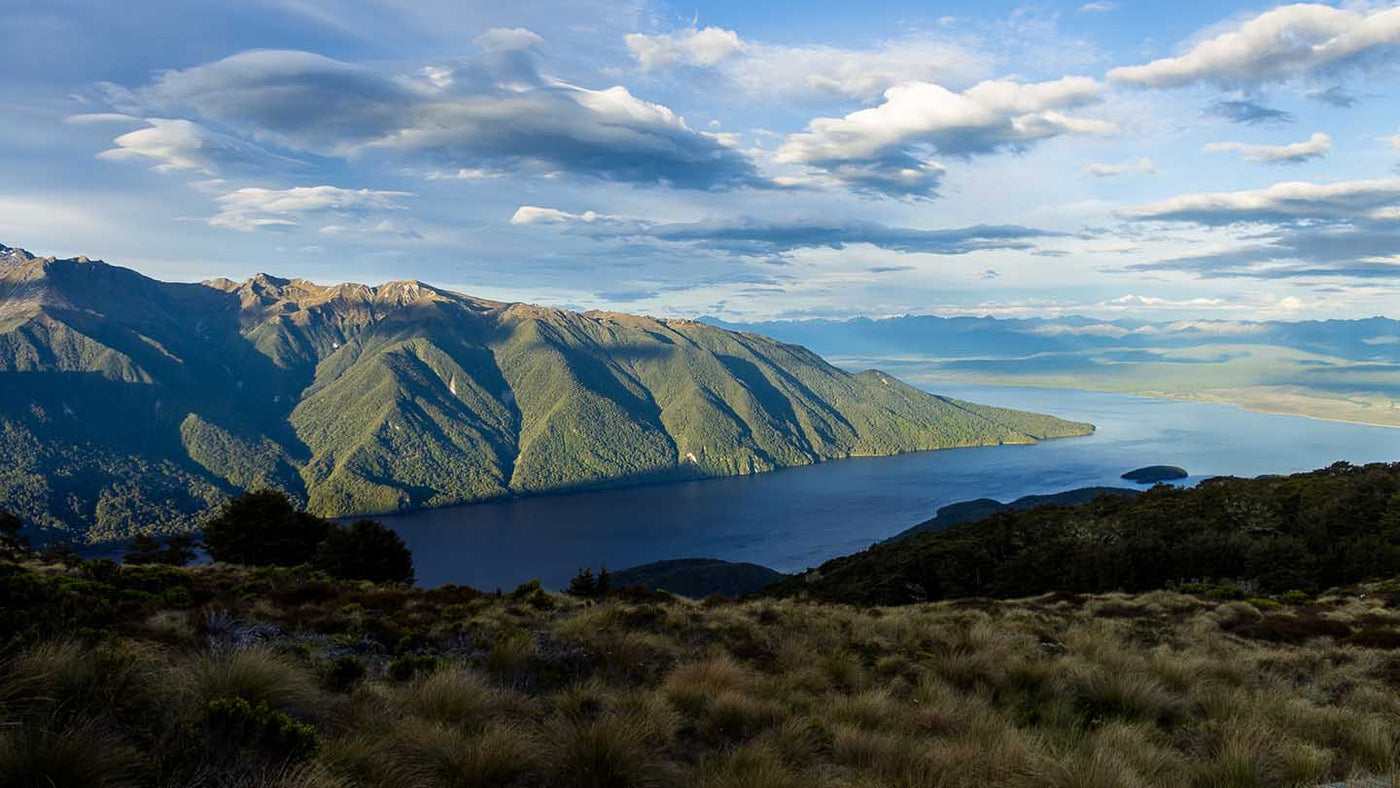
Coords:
pixel 129 402
pixel 1345 370
pixel 1375 339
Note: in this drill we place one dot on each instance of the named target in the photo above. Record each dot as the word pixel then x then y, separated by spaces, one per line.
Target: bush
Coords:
pixel 366 550
pixel 407 666
pixel 178 551
pixel 263 528
pixel 144 549
pixel 345 672
pixel 588 586
pixel 12 539
pixel 275 733
pixel 583 585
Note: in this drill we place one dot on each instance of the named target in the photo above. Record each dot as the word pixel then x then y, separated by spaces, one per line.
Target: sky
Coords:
pixel 749 161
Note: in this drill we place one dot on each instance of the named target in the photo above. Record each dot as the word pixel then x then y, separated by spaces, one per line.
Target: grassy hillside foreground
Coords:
pixel 220 676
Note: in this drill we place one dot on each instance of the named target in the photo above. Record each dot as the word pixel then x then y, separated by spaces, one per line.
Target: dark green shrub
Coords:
pixel 60 553
pixel 365 550
pixel 13 542
pixel 406 666
pixel 177 597
pixel 143 549
pixel 584 584
pixel 153 579
pixel 526 590
pixel 179 551
pixel 275 733
pixel 345 672
pixel 1226 590
pixel 263 528
pixel 589 586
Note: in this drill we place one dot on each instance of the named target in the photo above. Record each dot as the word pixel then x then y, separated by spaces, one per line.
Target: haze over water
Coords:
pixel 796 518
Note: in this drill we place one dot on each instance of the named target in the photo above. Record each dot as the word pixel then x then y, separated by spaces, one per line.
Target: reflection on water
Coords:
pixel 796 518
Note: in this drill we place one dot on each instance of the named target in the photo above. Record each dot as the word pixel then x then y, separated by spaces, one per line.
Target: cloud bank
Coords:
pixel 764 237
pixel 1315 147
pixel 760 69
pixel 1281 44
pixel 885 149
pixel 495 112
pixel 256 208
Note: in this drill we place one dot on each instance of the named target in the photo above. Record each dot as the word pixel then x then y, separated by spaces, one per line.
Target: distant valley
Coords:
pixel 1343 370
pixel 127 401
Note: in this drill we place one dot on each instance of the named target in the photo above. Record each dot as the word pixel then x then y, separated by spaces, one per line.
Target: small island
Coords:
pixel 1153 474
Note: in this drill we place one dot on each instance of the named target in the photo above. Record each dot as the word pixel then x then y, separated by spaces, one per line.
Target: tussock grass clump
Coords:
pixel 459 697
pixel 82 755
pixel 694 686
pixel 614 749
pixel 427 754
pixel 256 675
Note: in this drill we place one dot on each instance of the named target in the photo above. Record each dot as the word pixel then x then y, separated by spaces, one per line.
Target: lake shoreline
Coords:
pixel 798 518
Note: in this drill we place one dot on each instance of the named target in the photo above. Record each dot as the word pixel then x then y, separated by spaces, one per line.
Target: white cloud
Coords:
pixel 534 214
pixel 1394 141
pixel 509 39
pixel 691 47
pixel 1277 45
pixel 1091 330
pixel 1217 327
pixel 1156 302
pixel 885 148
pixel 173 144
pixel 495 112
pixel 1315 147
pixel 793 71
pixel 1142 166
pixel 86 118
pixel 1281 202
pixel 255 208
pixel 764 237
pixel 1098 7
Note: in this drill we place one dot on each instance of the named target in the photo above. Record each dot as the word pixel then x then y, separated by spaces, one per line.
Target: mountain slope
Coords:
pixel 127 400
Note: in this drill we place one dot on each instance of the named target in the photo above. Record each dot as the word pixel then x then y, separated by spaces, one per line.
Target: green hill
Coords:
pixel 698 577
pixel 1273 534
pixel 982 508
pixel 127 402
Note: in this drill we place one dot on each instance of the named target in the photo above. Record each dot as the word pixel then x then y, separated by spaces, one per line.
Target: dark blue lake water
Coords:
pixel 796 518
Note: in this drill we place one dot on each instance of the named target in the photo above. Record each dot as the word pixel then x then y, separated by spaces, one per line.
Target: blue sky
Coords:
pixel 747 160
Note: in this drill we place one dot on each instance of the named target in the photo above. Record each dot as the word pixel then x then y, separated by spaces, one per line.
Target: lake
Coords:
pixel 796 518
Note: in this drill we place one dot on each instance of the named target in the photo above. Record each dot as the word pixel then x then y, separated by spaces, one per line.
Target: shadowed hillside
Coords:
pixel 1273 534
pixel 126 400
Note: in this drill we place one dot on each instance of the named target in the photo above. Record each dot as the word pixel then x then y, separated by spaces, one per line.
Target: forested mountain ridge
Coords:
pixel 129 401
pixel 1272 534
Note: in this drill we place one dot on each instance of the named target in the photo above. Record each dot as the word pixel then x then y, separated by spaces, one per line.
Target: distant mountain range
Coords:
pixel 127 403
pixel 1370 339
pixel 1346 370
